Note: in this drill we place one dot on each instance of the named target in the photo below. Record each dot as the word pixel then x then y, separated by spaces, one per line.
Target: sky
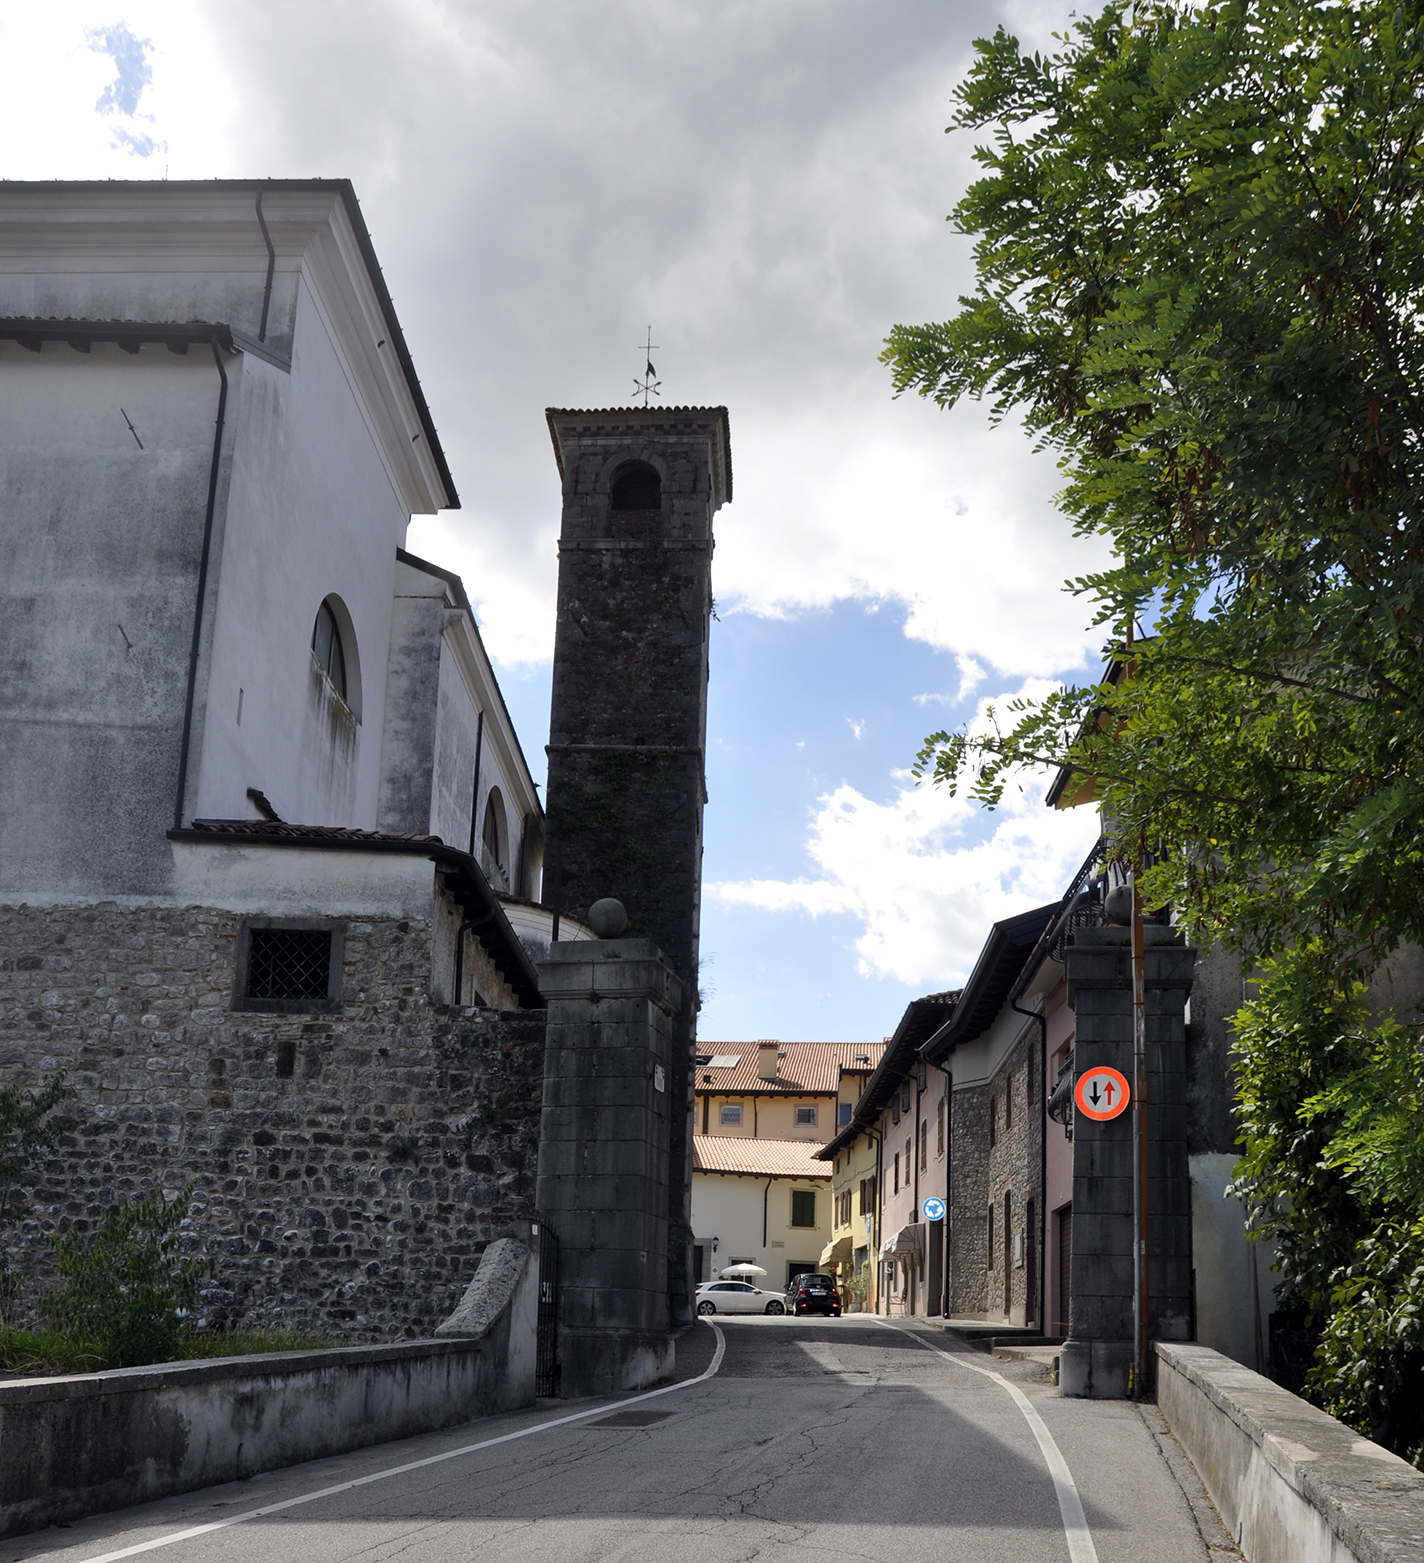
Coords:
pixel 764 184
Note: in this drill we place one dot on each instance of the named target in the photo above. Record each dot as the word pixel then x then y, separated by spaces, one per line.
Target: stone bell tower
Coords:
pixel 629 714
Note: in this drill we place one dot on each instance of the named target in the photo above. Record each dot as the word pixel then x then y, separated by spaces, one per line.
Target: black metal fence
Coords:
pixel 546 1360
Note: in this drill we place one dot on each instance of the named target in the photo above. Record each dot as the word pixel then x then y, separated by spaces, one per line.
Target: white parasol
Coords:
pixel 744 1269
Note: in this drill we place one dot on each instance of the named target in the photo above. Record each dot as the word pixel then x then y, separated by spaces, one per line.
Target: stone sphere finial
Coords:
pixel 1118 906
pixel 608 918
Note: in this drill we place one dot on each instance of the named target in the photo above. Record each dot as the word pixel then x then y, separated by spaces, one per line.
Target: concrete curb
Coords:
pixel 1292 1484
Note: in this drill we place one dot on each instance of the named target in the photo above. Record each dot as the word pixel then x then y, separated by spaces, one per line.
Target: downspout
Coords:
pixel 944 1281
pixel 919 1099
pixel 475 790
pixel 523 843
pixel 271 268
pixel 879 1206
pixel 186 744
pixel 765 1196
pixel 460 962
pixel 1042 1019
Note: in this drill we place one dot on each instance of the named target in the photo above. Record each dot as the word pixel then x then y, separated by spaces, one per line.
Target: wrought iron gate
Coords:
pixel 546 1362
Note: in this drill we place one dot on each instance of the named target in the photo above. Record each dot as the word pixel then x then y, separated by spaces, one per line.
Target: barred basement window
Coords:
pixel 288 966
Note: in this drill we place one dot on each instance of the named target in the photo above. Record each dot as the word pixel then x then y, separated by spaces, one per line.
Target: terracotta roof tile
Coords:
pixel 809 1068
pixel 760 1158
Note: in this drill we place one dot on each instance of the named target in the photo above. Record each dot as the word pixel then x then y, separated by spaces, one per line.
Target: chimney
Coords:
pixel 767 1053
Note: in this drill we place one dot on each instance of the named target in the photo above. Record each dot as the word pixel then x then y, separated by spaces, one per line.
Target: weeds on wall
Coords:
pixel 127 1291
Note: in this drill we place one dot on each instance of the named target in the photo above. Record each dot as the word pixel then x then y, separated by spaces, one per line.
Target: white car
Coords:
pixel 737 1297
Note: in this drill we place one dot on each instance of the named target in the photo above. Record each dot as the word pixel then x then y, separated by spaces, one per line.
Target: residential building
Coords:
pixel 854 1200
pixel 992 1050
pixel 779 1090
pixel 759 1201
pixel 901 1113
pixel 789 1093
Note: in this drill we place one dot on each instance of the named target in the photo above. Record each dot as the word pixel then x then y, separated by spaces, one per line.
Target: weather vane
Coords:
pixel 648 386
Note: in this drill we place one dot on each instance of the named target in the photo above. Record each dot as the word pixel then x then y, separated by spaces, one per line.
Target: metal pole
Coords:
pixel 1140 1288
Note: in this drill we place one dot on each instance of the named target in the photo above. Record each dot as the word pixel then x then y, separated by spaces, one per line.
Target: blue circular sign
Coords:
pixel 933 1210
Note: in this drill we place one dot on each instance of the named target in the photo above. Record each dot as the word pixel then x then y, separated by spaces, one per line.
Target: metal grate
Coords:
pixel 289 963
pixel 546 1360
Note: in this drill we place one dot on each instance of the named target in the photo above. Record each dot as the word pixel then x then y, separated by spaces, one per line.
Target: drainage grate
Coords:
pixel 289 963
pixel 632 1419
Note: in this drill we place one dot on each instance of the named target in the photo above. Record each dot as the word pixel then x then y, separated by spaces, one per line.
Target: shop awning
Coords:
pixel 837 1252
pixel 905 1241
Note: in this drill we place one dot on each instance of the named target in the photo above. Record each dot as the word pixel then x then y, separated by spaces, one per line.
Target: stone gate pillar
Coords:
pixel 603 1157
pixel 628 718
pixel 1098 1353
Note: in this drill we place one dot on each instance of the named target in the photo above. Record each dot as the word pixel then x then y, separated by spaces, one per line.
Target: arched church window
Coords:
pixel 327 648
pixel 637 486
pixel 492 839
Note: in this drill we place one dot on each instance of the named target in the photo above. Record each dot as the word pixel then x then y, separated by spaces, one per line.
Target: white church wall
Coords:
pixel 311 514
pixel 101 529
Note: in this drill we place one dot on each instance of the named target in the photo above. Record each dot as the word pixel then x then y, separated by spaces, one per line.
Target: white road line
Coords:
pixel 1070 1505
pixel 415 1465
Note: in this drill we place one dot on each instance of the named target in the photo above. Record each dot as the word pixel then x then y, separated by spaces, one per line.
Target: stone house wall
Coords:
pixel 968 1200
pixel 347 1168
pixel 1013 1169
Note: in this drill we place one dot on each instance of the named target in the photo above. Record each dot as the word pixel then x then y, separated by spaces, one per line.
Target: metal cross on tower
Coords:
pixel 649 384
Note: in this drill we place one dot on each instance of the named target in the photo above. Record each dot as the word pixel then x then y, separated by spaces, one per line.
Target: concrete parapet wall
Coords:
pixel 98 1441
pixel 1292 1484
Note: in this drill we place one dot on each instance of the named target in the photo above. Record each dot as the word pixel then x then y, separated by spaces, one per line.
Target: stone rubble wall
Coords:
pixel 1014 1168
pixel 968 1201
pixel 347 1169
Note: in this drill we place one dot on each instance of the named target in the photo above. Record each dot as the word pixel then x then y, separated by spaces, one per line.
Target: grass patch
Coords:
pixel 40 1352
pixel 247 1343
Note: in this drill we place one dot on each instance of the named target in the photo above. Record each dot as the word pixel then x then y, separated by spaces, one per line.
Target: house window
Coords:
pixel 909 1160
pixel 805 1117
pixel 327 648
pixel 939 1128
pixel 637 486
pixel 843 1112
pixel 730 1117
pixel 895 1186
pixel 803 1207
pixel 895 1110
pixel 288 966
pixel 924 1144
pixel 905 1097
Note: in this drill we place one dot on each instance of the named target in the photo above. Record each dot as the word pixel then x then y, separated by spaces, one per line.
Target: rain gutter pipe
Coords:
pixel 1042 1019
pixel 186 744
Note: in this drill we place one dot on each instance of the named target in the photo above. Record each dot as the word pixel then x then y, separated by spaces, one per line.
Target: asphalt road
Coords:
pixel 830 1440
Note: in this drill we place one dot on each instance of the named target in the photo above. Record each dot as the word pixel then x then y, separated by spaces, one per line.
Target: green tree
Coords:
pixel 127 1290
pixel 29 1126
pixel 1200 255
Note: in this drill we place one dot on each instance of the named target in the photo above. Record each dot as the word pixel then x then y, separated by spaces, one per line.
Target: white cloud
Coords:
pixel 926 873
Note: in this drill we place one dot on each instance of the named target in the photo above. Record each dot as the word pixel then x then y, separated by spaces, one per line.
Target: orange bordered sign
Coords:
pixel 1101 1093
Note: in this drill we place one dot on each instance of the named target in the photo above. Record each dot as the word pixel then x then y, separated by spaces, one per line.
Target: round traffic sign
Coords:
pixel 933 1209
pixel 1101 1093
